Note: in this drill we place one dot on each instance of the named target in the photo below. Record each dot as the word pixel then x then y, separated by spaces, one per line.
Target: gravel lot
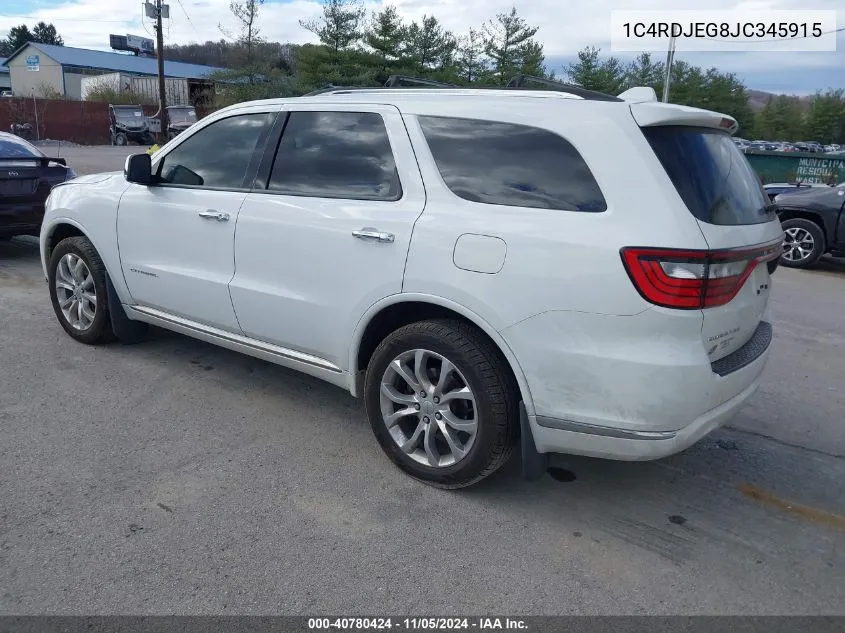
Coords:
pixel 176 477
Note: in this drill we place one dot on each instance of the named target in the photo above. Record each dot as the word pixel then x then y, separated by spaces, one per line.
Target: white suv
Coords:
pixel 574 272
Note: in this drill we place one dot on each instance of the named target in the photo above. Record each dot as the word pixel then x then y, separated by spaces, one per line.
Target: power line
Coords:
pixel 182 6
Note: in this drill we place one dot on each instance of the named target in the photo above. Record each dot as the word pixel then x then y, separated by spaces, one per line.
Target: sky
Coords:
pixel 566 26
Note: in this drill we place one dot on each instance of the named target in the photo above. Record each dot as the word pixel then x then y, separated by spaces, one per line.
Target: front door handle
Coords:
pixel 220 216
pixel 375 235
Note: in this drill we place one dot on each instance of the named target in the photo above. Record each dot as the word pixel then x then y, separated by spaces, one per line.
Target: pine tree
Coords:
pixel 470 60
pixel 339 28
pixel 508 41
pixel 385 37
pixel 428 47
pixel 826 119
pixel 591 72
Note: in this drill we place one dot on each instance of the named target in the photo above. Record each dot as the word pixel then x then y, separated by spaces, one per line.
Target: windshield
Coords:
pixel 711 174
pixel 182 115
pixel 128 113
pixel 11 147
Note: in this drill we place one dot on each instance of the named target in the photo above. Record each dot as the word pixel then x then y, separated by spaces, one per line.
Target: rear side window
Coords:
pixel 507 164
pixel 336 155
pixel 711 174
pixel 14 148
pixel 218 155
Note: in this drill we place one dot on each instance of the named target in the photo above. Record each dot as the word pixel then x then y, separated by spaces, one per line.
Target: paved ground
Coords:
pixel 93 159
pixel 175 477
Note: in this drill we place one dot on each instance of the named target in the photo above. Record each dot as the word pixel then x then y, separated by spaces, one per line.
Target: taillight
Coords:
pixel 692 280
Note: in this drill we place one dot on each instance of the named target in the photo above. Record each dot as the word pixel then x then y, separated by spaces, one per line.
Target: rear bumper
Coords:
pixel 622 388
pixel 624 445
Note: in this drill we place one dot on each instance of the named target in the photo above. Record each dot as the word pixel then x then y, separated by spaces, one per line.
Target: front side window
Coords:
pixel 508 164
pixel 218 155
pixel 335 155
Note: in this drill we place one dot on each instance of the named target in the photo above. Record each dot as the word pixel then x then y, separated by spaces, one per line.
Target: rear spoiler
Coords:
pixel 44 161
pixel 651 114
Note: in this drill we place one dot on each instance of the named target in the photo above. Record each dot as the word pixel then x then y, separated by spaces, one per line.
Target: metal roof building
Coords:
pixel 39 69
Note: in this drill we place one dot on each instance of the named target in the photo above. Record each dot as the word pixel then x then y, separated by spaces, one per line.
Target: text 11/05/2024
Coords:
pixel 417 624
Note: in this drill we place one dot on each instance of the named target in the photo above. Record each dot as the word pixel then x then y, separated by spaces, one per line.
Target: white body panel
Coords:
pixel 601 370
pixel 175 260
pixel 303 279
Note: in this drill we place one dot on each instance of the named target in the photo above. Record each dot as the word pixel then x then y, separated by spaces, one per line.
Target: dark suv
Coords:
pixel 813 221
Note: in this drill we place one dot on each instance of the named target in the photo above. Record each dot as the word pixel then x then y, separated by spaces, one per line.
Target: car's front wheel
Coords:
pixel 803 243
pixel 442 403
pixel 77 280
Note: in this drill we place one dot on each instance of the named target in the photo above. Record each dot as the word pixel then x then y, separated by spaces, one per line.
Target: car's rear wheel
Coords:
pixel 441 403
pixel 77 281
pixel 803 243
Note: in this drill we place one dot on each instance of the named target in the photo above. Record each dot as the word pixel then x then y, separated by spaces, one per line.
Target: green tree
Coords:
pixel 510 45
pixel 604 75
pixel 385 37
pixel 782 118
pixel 340 26
pixel 470 62
pixel 644 71
pixel 319 65
pixel 826 119
pixel 18 36
pixel 47 34
pixel 723 92
pixel 429 47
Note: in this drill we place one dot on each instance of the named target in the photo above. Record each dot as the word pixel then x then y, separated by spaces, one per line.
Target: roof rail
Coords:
pixel 524 81
pixel 331 88
pixel 394 81
pixel 402 81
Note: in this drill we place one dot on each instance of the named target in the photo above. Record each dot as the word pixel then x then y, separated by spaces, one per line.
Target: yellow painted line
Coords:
pixel 812 514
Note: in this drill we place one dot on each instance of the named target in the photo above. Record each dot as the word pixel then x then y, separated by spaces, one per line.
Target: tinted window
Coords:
pixel 518 165
pixel 336 155
pixel 712 176
pixel 17 148
pixel 219 154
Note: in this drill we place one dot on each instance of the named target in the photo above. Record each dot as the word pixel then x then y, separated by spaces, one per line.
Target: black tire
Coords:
pixel 486 374
pixel 121 139
pixel 819 243
pixel 100 330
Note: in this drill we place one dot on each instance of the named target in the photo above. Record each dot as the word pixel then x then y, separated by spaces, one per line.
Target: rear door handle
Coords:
pixel 220 216
pixel 374 235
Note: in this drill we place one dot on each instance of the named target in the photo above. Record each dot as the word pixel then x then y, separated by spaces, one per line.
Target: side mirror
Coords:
pixel 138 169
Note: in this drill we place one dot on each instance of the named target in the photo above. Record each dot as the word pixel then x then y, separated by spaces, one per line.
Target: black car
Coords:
pixel 813 221
pixel 775 189
pixel 26 177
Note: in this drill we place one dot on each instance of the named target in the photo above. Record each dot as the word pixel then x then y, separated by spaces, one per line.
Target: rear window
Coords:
pixel 12 148
pixel 711 174
pixel 508 164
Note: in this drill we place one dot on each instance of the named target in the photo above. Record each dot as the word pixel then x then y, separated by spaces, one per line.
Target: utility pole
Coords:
pixel 670 57
pixel 162 93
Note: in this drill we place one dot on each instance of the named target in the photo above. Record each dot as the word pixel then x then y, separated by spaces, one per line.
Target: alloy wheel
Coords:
pixel 428 408
pixel 798 244
pixel 75 291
